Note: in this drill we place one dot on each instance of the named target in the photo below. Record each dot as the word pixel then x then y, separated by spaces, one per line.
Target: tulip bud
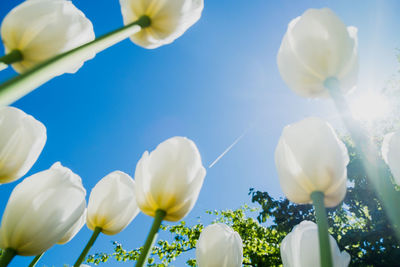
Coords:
pixel 112 203
pixel 169 19
pixel 41 210
pixel 219 246
pixel 73 230
pixel 310 157
pixel 22 140
pixel 300 248
pixel 169 178
pixel 391 154
pixel 42 29
pixel 318 46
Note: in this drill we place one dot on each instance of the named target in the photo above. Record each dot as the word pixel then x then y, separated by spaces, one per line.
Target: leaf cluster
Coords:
pixel 359 225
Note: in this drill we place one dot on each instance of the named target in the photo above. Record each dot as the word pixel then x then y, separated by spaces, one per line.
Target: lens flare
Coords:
pixel 370 106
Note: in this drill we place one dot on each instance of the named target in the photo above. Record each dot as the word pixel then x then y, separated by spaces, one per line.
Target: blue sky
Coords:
pixel 210 85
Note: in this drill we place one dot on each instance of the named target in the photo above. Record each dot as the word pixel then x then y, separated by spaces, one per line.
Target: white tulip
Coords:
pixel 22 140
pixel 169 178
pixel 74 229
pixel 318 46
pixel 112 203
pixel 41 210
pixel 42 29
pixel 219 246
pixel 391 154
pixel 169 19
pixel 310 157
pixel 300 248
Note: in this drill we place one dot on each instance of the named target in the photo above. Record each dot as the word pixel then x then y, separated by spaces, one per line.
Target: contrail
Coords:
pixel 230 147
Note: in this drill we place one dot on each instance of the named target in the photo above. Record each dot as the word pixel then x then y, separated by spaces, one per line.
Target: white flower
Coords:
pixel 112 203
pixel 42 29
pixel 318 46
pixel 74 229
pixel 219 246
pixel 300 248
pixel 310 157
pixel 169 178
pixel 41 210
pixel 169 19
pixel 391 154
pixel 22 139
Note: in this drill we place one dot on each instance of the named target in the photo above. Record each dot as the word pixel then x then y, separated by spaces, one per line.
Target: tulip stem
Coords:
pixel 377 172
pixel 89 244
pixel 17 87
pixel 35 260
pixel 151 238
pixel 7 256
pixel 12 57
pixel 322 222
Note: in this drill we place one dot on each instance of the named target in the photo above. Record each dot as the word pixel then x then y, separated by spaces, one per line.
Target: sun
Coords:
pixel 370 106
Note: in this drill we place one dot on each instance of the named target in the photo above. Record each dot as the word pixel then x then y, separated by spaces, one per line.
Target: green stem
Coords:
pixel 376 170
pixel 35 260
pixel 7 256
pixel 323 234
pixel 11 57
pixel 151 238
pixel 90 243
pixel 23 84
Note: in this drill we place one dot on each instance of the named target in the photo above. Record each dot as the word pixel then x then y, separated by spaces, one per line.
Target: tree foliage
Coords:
pixel 261 244
pixel 359 225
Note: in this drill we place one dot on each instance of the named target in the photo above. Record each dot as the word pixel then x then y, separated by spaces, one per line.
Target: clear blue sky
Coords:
pixel 209 85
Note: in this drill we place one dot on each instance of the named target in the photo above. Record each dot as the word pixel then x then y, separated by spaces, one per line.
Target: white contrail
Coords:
pixel 230 147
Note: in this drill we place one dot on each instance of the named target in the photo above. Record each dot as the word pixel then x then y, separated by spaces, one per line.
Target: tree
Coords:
pixel 359 225
pixel 261 244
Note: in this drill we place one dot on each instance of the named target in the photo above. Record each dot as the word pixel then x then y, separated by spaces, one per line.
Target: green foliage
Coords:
pixel 261 244
pixel 184 240
pixel 359 225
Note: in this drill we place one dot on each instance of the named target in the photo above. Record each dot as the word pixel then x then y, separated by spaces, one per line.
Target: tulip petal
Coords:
pixel 299 247
pixel 41 210
pixel 169 19
pixel 315 47
pixel 219 246
pixel 43 29
pixel 391 154
pixel 112 203
pixel 169 178
pixel 21 141
pixel 310 157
